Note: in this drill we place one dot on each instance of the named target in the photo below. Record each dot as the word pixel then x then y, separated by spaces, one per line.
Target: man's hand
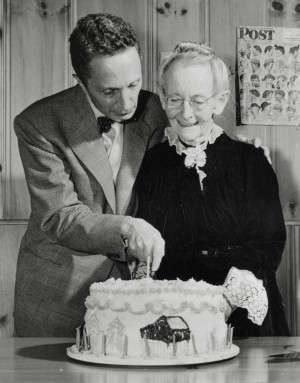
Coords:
pixel 143 241
pixel 257 143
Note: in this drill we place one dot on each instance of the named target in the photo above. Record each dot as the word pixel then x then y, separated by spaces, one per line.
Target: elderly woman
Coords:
pixel 214 200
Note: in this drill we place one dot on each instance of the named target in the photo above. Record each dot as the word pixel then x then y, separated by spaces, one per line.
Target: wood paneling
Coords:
pixel 4 70
pixel 288 277
pixel 38 66
pixel 10 238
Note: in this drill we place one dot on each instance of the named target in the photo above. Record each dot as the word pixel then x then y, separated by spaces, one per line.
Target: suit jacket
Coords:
pixel 73 235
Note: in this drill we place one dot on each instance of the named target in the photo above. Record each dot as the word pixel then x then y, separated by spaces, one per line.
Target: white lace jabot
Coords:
pixel 195 156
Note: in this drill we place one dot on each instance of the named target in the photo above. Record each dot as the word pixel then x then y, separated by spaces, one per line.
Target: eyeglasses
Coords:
pixel 196 103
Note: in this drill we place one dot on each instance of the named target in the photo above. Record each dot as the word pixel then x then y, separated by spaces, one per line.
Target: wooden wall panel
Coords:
pixel 39 63
pixel 288 277
pixel 3 87
pixel 10 238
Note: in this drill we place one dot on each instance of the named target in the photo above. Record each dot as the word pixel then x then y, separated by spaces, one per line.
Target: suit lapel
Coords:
pixel 84 139
pixel 136 136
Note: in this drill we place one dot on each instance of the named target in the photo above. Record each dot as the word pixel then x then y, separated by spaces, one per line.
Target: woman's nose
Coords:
pixel 187 111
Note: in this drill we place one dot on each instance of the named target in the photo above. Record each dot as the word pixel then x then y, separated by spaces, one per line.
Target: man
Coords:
pixel 80 184
pixel 81 176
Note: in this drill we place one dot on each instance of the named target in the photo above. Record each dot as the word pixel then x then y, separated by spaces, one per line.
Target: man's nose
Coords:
pixel 125 100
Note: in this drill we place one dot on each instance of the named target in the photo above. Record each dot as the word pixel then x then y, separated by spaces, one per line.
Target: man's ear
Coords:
pixel 221 102
pixel 82 86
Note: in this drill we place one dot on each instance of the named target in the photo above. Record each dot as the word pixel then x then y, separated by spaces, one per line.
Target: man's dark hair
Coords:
pixel 99 34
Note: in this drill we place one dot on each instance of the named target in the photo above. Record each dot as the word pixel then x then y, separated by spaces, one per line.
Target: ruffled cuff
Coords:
pixel 243 289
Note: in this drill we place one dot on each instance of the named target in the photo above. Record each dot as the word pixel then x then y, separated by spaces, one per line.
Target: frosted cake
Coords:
pixel 165 319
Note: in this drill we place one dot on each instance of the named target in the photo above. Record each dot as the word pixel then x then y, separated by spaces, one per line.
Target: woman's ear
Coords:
pixel 221 102
pixel 162 99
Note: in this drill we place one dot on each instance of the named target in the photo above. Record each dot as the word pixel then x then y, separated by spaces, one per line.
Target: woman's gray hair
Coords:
pixel 189 54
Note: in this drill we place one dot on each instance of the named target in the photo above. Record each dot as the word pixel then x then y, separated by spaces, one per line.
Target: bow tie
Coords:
pixel 104 124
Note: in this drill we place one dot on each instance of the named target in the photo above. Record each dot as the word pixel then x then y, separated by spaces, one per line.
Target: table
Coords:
pixel 43 360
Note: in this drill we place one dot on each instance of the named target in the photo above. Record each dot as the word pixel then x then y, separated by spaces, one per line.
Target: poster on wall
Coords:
pixel 268 61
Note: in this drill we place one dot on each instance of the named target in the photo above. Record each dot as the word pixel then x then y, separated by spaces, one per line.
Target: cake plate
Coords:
pixel 87 356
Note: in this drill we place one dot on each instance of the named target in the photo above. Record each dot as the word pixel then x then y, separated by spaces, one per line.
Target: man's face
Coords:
pixel 255 82
pixel 115 82
pixel 254 110
pixel 269 66
pixel 294 96
pixel 255 52
pixel 290 112
pixel 254 67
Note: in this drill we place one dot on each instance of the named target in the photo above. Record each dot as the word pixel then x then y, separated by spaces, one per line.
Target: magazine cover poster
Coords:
pixel 268 63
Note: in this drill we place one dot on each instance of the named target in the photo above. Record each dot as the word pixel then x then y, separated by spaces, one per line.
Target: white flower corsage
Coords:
pixel 195 156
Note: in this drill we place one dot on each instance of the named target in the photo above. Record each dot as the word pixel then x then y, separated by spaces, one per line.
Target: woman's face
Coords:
pixel 270 52
pixel 190 83
pixel 267 109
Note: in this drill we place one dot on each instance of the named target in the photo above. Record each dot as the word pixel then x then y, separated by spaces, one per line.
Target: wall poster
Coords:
pixel 268 63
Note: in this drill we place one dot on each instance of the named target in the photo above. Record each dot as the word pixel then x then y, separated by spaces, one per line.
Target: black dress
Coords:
pixel 236 220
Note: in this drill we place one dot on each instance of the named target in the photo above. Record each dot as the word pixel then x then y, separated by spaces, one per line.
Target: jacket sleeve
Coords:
pixel 55 205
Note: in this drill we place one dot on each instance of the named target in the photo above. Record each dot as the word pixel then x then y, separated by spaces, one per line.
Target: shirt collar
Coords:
pixel 116 125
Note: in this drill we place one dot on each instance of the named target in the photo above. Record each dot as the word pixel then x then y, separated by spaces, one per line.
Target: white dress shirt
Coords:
pixel 113 141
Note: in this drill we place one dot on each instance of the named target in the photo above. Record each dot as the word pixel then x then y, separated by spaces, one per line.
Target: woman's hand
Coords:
pixel 257 143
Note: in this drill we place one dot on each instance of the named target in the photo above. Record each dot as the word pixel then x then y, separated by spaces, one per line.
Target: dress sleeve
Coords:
pixel 261 217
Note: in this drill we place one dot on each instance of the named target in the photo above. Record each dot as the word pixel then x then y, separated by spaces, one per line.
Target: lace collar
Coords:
pixel 195 155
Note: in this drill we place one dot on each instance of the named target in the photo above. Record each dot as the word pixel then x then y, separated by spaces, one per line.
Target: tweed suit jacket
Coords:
pixel 73 235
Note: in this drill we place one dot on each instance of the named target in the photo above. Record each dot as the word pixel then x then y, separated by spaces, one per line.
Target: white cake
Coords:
pixel 165 319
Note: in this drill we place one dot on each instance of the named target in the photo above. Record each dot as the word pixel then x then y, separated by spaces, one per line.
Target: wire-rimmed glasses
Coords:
pixel 197 103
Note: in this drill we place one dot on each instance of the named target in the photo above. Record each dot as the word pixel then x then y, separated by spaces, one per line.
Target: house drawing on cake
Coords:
pixel 167 329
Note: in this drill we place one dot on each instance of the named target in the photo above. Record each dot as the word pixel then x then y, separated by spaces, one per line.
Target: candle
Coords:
pixel 231 335
pixel 104 344
pixel 228 334
pixel 147 346
pixel 85 339
pixel 174 345
pixel 194 345
pixel 78 340
pixel 148 266
pixel 125 346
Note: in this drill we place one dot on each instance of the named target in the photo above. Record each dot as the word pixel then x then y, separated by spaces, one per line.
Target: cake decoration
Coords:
pixel 167 329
